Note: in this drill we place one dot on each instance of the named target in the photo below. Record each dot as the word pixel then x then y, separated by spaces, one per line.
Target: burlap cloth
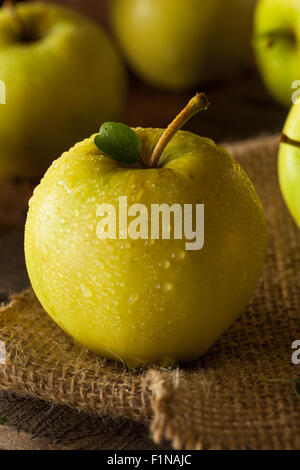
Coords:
pixel 221 401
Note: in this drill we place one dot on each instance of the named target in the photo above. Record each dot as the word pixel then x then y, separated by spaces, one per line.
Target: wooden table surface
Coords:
pixel 239 109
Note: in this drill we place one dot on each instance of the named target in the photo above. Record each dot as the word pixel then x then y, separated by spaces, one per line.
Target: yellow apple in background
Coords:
pixel 289 162
pixel 276 45
pixel 145 300
pixel 177 44
pixel 62 76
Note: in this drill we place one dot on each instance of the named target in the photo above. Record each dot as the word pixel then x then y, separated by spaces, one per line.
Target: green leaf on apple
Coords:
pixel 120 142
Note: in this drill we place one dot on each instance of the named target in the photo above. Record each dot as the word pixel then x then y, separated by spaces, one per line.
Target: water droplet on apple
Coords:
pixel 63 184
pixel 86 291
pixel 167 286
pixel 180 254
pixel 166 264
pixel 87 216
pixel 133 298
pixel 99 263
pixel 45 249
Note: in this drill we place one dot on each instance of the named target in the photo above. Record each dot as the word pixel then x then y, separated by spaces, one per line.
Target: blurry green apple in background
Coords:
pixel 145 300
pixel 289 162
pixel 62 75
pixel 276 44
pixel 177 44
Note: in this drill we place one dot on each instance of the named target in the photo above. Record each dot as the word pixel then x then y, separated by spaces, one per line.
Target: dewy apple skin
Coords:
pixel 146 301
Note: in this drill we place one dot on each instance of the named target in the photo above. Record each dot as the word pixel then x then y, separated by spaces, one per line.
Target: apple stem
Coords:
pixel 197 104
pixel 18 23
pixel 284 139
pixel 272 36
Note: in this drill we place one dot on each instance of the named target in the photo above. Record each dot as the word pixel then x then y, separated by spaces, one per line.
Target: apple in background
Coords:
pixel 95 9
pixel 145 300
pixel 276 35
pixel 289 162
pixel 177 44
pixel 62 76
